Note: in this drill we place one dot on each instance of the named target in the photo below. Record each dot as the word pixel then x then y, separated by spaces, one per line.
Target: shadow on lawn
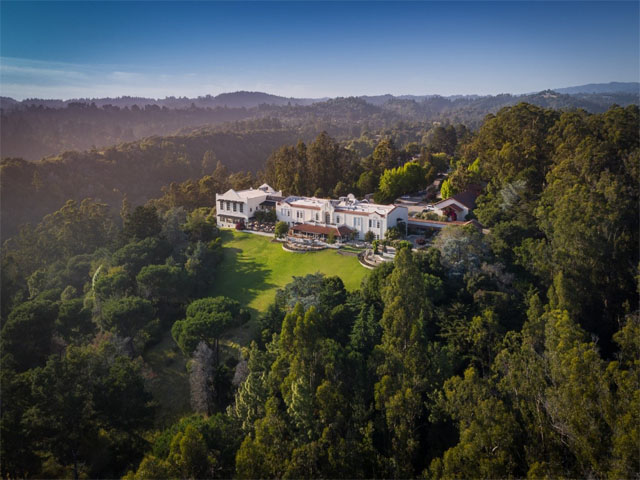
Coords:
pixel 242 279
pixel 226 235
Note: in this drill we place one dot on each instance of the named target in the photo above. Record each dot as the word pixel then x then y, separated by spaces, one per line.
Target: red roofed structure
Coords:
pixel 320 231
pixel 459 205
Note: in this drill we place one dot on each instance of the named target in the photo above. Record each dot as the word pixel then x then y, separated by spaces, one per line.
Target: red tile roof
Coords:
pixel 344 230
pixel 341 231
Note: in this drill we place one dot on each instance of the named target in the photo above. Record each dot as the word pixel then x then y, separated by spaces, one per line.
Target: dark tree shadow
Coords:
pixel 243 279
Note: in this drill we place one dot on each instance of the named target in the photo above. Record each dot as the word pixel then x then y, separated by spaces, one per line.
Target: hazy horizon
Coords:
pixel 312 50
pixel 284 95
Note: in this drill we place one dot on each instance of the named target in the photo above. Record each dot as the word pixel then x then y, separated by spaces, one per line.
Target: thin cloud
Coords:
pixel 25 78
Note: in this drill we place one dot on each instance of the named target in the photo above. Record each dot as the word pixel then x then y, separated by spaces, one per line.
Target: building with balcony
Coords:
pixel 325 215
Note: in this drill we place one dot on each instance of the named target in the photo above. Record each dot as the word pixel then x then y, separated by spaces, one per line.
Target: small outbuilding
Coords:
pixel 459 205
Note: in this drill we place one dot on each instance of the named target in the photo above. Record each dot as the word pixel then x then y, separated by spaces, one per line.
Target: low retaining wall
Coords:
pixel 363 261
pixel 254 232
pixel 287 248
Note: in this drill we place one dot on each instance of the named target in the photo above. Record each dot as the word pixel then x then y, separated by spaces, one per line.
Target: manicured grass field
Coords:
pixel 254 268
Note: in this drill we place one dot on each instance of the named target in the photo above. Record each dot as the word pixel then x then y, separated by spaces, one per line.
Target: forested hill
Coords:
pixel 137 169
pixel 241 99
pixel 611 87
pixel 35 132
pixel 33 128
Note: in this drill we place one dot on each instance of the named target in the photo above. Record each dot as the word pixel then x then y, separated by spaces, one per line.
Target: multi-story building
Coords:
pixel 234 207
pixel 320 216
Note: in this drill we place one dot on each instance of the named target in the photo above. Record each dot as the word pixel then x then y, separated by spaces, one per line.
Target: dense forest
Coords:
pixel 37 132
pixel 138 171
pixel 33 129
pixel 514 353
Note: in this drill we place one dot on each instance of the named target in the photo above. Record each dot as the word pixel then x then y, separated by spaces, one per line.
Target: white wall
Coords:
pixel 445 203
pixel 356 222
pixel 249 207
pixel 398 214
pixel 346 218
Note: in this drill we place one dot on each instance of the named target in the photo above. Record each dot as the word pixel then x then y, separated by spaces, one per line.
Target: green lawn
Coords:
pixel 254 267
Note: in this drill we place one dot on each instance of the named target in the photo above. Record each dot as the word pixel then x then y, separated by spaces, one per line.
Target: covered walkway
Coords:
pixel 320 232
pixel 421 223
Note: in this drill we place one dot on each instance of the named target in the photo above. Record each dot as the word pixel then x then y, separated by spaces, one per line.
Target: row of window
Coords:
pixel 236 206
pixel 285 212
pixel 357 221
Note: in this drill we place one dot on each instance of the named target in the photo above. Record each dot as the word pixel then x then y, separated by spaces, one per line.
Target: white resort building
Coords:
pixel 234 207
pixel 345 217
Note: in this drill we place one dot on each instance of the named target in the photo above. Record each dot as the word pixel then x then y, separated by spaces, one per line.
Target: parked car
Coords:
pixel 428 208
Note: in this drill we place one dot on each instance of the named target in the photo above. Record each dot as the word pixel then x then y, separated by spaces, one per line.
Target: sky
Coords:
pixel 312 49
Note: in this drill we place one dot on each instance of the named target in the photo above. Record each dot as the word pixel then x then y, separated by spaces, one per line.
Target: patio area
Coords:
pixel 265 227
pixel 371 259
pixel 297 244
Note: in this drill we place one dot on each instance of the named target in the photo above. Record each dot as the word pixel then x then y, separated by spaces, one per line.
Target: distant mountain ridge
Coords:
pixel 240 99
pixel 245 99
pixel 34 129
pixel 611 87
pixel 254 99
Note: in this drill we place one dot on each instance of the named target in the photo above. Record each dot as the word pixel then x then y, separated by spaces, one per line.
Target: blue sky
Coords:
pixel 312 49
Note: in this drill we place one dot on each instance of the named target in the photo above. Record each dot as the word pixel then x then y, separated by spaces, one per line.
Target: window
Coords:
pixel 228 205
pixel 317 217
pixel 250 209
pixel 337 218
pixel 370 223
pixel 235 206
pixel 221 205
pixel 378 223
pixel 242 208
